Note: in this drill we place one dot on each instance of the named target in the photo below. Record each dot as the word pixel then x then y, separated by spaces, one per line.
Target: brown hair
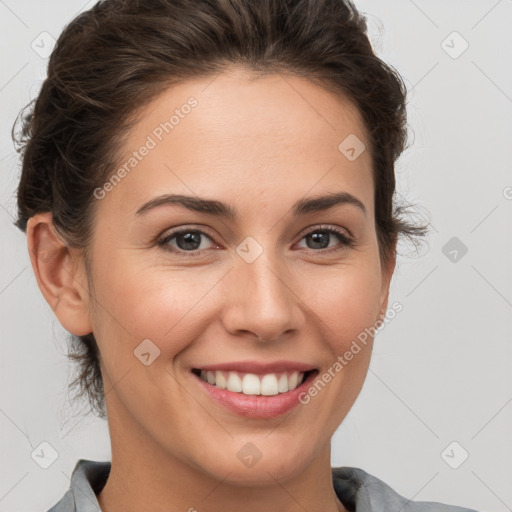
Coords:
pixel 113 59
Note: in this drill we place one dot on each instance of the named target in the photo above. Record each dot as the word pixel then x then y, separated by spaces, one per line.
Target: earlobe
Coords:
pixel 59 273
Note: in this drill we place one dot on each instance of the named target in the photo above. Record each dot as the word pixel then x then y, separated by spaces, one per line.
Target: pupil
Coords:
pixel 317 238
pixel 190 237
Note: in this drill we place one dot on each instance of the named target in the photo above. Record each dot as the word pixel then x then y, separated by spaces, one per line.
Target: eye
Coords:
pixel 187 241
pixel 321 235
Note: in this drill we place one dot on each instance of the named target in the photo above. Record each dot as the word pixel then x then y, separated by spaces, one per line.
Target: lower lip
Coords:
pixel 257 406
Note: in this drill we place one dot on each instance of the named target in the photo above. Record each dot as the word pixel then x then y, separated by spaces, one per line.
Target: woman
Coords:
pixel 207 192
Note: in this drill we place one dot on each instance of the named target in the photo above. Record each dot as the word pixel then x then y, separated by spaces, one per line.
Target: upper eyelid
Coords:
pixel 320 227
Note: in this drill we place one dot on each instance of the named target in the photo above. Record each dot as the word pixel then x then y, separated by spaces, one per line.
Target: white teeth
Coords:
pixel 293 381
pixel 234 382
pixel 269 385
pixel 220 380
pixel 283 384
pixel 251 384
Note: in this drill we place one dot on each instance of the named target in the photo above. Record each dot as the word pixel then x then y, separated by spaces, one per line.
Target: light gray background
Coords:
pixel 440 370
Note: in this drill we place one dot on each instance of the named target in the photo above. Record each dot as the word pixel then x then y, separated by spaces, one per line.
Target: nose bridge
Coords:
pixel 263 300
pixel 267 278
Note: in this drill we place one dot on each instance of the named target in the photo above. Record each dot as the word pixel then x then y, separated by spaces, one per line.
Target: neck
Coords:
pixel 141 478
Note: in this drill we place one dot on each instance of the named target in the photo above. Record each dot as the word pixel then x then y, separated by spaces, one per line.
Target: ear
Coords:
pixel 387 274
pixel 60 274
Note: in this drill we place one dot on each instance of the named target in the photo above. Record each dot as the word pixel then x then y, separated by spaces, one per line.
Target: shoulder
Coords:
pixel 361 492
pixel 65 504
pixel 87 480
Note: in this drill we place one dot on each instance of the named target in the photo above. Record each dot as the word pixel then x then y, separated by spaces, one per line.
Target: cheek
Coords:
pixel 156 303
pixel 348 313
pixel 346 298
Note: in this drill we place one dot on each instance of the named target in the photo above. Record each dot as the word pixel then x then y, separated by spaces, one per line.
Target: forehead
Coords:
pixel 238 136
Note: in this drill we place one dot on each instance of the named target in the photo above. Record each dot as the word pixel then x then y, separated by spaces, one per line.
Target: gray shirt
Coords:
pixel 356 489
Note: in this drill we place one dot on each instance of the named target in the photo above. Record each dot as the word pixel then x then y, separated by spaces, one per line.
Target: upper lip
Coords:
pixel 258 367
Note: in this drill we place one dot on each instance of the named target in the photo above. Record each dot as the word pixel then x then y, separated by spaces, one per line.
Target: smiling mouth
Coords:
pixel 252 384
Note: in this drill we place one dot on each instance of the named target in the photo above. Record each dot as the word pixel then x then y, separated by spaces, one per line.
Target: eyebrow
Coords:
pixel 220 209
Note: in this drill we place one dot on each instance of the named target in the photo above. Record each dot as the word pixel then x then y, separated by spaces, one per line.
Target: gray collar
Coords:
pixel 357 490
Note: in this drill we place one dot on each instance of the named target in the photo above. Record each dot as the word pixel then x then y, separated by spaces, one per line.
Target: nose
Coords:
pixel 262 302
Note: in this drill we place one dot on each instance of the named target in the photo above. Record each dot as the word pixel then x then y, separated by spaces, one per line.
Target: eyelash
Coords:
pixel 346 241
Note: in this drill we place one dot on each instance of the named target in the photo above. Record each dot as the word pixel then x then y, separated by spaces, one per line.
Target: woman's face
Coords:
pixel 252 287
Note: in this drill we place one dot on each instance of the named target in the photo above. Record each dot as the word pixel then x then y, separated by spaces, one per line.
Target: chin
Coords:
pixel 250 466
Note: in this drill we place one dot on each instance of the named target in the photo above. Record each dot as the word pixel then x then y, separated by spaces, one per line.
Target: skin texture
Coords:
pixel 258 144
